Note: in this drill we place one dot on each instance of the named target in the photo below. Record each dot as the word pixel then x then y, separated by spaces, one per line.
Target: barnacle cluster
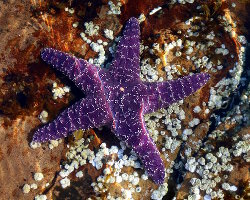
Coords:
pixel 197 43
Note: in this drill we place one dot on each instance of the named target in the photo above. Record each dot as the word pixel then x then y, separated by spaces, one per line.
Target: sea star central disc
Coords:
pixel 118 98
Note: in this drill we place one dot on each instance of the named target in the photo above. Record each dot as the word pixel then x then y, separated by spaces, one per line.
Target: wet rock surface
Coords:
pixel 213 119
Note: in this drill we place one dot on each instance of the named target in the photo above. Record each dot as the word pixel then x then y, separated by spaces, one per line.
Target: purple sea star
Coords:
pixel 117 97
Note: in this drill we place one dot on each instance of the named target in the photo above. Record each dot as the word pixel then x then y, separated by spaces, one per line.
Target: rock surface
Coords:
pixel 214 117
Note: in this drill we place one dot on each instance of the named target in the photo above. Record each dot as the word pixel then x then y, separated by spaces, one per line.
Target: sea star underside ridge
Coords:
pixel 118 98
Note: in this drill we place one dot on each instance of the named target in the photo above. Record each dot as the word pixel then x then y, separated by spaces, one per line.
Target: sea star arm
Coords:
pixel 163 94
pixel 86 113
pixel 125 66
pixel 84 74
pixel 131 128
